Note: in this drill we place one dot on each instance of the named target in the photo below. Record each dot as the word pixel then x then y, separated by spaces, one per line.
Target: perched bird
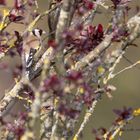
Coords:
pixel 32 42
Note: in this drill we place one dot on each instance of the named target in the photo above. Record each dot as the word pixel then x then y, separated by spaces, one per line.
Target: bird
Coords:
pixel 31 44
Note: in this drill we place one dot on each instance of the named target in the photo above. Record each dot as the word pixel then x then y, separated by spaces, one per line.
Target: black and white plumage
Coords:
pixel 30 58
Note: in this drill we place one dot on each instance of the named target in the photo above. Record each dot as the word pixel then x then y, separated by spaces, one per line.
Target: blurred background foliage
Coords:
pixel 127 84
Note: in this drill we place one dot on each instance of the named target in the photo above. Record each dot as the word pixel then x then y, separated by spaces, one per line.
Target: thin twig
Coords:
pixel 86 119
pixel 88 113
pixel 125 69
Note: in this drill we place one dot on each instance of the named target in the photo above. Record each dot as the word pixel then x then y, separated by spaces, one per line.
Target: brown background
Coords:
pixel 128 84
